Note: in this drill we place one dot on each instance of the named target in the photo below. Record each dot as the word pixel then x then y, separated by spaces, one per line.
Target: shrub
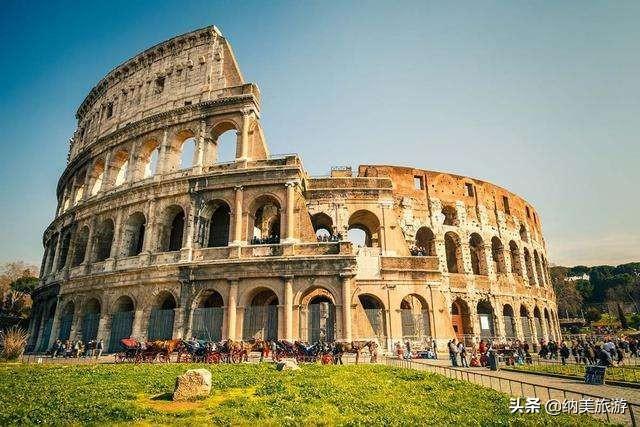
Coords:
pixel 12 343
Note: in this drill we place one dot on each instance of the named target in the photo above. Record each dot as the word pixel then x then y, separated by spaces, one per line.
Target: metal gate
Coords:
pixel 376 319
pixel 260 321
pixel 46 334
pixel 121 326
pixel 415 324
pixel 538 325
pixel 65 327
pixel 90 326
pixel 509 330
pixel 207 323
pixel 161 324
pixel 322 322
pixel 526 328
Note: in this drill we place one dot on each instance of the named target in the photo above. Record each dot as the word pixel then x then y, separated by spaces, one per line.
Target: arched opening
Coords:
pixel 79 187
pixel 486 319
pixel 323 226
pixel 217 220
pixel 545 270
pixel 514 256
pixel 172 229
pixel 526 325
pixel 133 235
pixel 364 229
pixel 453 252
pixel 373 325
pixel 523 233
pixel 103 240
pixel 162 317
pixel 66 320
pixel 537 322
pixel 51 253
pixel 80 246
pixel 121 322
pixel 414 313
pixel 266 221
pixel 536 261
pixel 497 255
pixel 148 159
pixel 207 317
pixel 425 242
pixel 509 322
pixel 188 153
pixel 97 176
pixel 450 215
pixel 90 320
pixel 529 267
pixel 547 320
pixel 321 321
pixel 225 143
pixel 461 319
pixel 261 316
pixel 476 252
pixel 120 164
pixel 48 325
pixel 64 249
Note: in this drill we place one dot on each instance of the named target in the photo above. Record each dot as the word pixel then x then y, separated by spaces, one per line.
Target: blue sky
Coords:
pixel 542 98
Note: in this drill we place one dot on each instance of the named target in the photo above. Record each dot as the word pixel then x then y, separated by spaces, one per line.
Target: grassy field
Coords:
pixel 615 373
pixel 252 394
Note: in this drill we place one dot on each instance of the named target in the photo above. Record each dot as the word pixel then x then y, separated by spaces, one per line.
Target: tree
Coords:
pixel 592 314
pixel 17 281
pixel 25 284
pixel 578 271
pixel 569 298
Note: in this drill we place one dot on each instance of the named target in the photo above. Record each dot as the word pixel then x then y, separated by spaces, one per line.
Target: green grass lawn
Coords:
pixel 252 394
pixel 615 373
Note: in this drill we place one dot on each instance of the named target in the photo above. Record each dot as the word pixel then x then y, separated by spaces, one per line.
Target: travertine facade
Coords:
pixel 154 240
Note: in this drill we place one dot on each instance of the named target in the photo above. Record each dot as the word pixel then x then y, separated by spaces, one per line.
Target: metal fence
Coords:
pixel 121 326
pixel 207 323
pixel 161 325
pixel 518 388
pixel 629 373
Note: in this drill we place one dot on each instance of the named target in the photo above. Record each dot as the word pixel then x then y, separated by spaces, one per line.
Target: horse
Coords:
pixel 162 349
pixel 307 353
pixel 354 347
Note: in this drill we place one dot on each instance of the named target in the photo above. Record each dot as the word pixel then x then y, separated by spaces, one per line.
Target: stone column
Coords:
pixel 113 253
pixel 288 308
pixel 56 254
pixel 498 319
pixel 346 306
pixel 187 249
pixel 55 327
pixel 87 182
pixel 237 217
pixel 103 329
pixel 178 322
pixel 232 305
pixel 243 152
pixel 137 328
pixel 106 174
pixel 131 168
pixel 200 147
pixel 290 212
pixel 162 155
pixel 150 228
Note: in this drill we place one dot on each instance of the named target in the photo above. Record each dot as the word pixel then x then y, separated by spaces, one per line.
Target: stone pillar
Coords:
pixel 106 174
pixel 187 249
pixel 132 167
pixel 149 231
pixel 232 305
pixel 162 155
pixel 178 322
pixel 289 236
pixel 532 326
pixel 56 254
pixel 498 319
pixel 465 256
pixel 237 217
pixel 116 241
pixel 243 151
pixel 137 329
pixel 103 329
pixel 288 308
pixel 87 182
pixel 55 327
pixel 201 145
pixel 346 307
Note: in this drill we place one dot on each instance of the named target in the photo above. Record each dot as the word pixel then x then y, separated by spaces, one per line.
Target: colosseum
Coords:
pixel 157 236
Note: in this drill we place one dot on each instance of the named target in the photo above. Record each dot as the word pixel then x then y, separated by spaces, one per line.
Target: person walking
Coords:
pixel 462 350
pixel 453 352
pixel 99 348
pixel 564 353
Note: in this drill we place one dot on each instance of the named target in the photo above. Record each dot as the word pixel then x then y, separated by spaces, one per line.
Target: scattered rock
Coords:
pixel 193 384
pixel 287 365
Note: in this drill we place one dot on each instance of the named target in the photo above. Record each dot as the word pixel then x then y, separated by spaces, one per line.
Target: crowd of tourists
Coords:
pixel 76 348
pixel 330 238
pixel 591 350
pixel 268 240
pixel 418 251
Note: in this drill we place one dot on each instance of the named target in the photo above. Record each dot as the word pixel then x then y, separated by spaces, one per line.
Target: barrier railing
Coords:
pixel 519 388
pixel 625 373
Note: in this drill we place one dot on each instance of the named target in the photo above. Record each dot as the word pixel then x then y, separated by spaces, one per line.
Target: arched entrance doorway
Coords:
pixel 66 320
pixel 414 313
pixel 48 324
pixel 509 322
pixel 261 316
pixel 485 318
pixel 460 319
pixel 162 317
pixel 207 318
pixel 121 322
pixel 372 323
pixel 91 320
pixel 321 321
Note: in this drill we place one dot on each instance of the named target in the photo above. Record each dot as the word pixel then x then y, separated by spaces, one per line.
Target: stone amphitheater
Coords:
pixel 157 236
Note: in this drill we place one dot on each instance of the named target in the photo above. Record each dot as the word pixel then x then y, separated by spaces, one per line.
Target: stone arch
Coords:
pixel 529 267
pixel 91 319
pixel 80 246
pixel 371 319
pixel 133 235
pixel 122 315
pixel 514 255
pixel 103 240
pixel 215 223
pixel 526 324
pixel 523 233
pixel 320 310
pixel 509 322
pixel 66 320
pixel 65 244
pixel 547 320
pixel 171 229
pixel 322 225
pixel 176 148
pixel 537 322
pixel 426 241
pixel 162 316
pixel 96 179
pixel 414 315
pixel 51 253
pixel 78 188
pixel 225 137
pixel 148 159
pixel 461 319
pixel 368 224
pixel 497 255
pixel 261 315
pixel 120 165
pixel 538 267
pixel 450 215
pixel 486 318
pixel 265 219
pixel 477 255
pixel 453 252
pixel 208 316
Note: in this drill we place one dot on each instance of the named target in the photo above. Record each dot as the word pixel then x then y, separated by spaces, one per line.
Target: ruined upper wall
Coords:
pixel 187 69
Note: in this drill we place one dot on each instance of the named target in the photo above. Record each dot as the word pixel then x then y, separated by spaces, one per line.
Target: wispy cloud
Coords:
pixel 595 250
